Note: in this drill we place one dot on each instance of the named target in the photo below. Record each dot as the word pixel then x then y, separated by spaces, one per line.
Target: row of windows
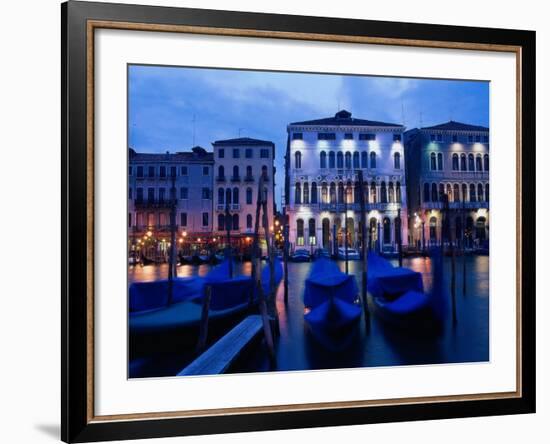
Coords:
pixel 151 219
pixel 349 193
pixel 236 172
pixel 347 160
pixel 461 163
pixel 456 193
pixel 162 195
pixel 248 153
pixel 454 138
pixel 231 196
pixel 232 222
pixel 163 171
pixel 347 136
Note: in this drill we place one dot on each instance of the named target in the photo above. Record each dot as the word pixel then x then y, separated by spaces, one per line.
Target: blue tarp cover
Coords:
pixel 326 281
pixel 151 295
pixel 389 282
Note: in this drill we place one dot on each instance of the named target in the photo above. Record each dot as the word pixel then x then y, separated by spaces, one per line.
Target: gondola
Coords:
pixel 330 298
pixel 398 294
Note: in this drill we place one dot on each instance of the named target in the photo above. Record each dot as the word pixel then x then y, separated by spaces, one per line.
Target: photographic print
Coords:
pixel 292 221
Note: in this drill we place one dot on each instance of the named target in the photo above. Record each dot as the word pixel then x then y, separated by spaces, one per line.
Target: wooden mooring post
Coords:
pixel 172 252
pixel 463 247
pixel 447 235
pixel 228 224
pixel 266 325
pixel 203 329
pixel 364 268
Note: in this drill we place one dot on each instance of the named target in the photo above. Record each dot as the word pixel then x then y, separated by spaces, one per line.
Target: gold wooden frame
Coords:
pixel 92 25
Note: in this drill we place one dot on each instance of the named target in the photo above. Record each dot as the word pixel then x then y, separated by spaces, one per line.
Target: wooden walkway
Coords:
pixel 219 356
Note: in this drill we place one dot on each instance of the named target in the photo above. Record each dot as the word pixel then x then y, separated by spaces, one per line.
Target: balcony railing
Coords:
pixel 153 228
pixel 456 205
pixel 235 178
pixel 249 178
pixel 220 178
pixel 154 203
pixel 456 175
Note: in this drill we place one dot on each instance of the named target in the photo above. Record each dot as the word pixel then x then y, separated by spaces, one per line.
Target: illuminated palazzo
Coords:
pixel 325 158
pixel 448 159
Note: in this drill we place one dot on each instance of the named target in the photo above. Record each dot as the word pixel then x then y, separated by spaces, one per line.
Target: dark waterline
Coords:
pixel 381 345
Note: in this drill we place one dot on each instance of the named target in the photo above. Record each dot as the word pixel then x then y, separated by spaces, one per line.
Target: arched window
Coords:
pixel 228 223
pixel 299 232
pixel 221 196
pixel 249 172
pixel 373 159
pixel 373 192
pixel 478 163
pixel 356 193
pixel 348 160
pixel 441 192
pixel 235 222
pixel 391 196
pixel 339 160
pixel 387 231
pixel 235 195
pixel 221 172
pixel 356 163
pixel 455 162
pixel 456 193
pixel 472 192
pixel 449 192
pixel 332 193
pixel 331 163
pixel 364 159
pixel 298 160
pixel 486 192
pixel 324 193
pixel 249 196
pixel 323 159
pixel 439 161
pixel 264 171
pixel 433 165
pixel 480 193
pixel 221 222
pixel 426 192
pixel 313 193
pixel 398 192
pixel 298 193
pixel 311 232
pixel 463 162
pixel 249 221
pixel 340 192
pixel 464 192
pixel 480 228
pixel 236 172
pixel 471 162
pixel 306 193
pixel 434 192
pixel 349 193
pixel 397 161
pixel 228 196
pixel 383 193
pixel 326 232
pixel 486 162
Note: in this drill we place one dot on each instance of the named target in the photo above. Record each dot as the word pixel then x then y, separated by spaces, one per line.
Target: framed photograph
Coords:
pixel 276 221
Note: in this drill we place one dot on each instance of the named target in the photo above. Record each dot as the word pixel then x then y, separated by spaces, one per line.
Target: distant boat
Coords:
pixel 322 252
pixel 300 255
pixel 330 298
pixel 398 293
pixel 353 255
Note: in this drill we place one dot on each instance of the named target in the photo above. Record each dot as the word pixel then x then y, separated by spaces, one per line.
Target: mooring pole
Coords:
pixel 378 240
pixel 286 221
pixel 364 270
pixel 346 231
pixel 463 246
pixel 255 243
pixel 399 241
pixel 171 260
pixel 285 254
pixel 228 249
pixel 447 234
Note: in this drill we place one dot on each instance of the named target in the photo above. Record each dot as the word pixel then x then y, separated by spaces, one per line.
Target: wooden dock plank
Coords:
pixel 219 356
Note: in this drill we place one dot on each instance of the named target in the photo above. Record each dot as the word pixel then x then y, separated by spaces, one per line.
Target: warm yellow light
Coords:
pixel 181 241
pixel 199 239
pixel 185 234
pixel 247 239
pixel 149 233
pixel 276 222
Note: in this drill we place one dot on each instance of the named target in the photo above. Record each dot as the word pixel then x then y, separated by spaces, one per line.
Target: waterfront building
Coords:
pixel 152 178
pixel 448 159
pixel 325 156
pixel 238 165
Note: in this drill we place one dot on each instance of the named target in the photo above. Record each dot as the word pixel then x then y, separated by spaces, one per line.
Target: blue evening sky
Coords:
pixel 164 102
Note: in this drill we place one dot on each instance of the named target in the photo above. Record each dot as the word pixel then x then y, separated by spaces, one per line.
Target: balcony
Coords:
pixel 249 178
pixel 455 205
pixel 220 179
pixel 153 228
pixel 456 175
pixel 154 203
pixel 235 207
pixel 235 178
pixel 341 207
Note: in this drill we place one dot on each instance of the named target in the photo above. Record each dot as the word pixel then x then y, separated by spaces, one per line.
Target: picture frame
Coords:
pixel 80 20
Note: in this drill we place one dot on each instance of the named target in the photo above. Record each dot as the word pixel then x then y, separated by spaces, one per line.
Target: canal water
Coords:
pixel 379 344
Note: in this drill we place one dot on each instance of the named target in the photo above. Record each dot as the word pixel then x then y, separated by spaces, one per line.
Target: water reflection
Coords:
pixel 381 345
